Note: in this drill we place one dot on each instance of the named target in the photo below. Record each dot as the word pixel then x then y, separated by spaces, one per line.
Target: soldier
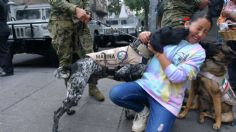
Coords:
pixel 5 55
pixel 71 37
pixel 175 12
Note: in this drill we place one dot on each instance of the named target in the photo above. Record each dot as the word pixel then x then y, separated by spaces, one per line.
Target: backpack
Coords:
pixel 215 7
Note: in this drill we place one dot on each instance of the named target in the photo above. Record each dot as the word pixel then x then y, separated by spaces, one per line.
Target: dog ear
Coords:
pixel 211 49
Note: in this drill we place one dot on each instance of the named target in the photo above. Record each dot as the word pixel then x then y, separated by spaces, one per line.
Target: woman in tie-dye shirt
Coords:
pixel 160 91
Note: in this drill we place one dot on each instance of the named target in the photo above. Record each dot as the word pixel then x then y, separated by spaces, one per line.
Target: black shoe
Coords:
pixel 4 74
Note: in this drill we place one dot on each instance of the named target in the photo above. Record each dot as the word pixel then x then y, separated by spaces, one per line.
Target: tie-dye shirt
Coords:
pixel 168 86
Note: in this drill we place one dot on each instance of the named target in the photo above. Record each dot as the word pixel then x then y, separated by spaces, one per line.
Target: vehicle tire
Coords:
pixel 53 58
pixel 96 42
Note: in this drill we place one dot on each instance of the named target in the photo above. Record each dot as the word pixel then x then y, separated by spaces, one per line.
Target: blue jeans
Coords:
pixel 132 96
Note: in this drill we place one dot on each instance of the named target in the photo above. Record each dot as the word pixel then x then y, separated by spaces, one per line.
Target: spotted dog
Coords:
pixel 124 63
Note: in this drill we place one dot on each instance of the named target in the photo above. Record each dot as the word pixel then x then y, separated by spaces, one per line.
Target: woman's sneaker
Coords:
pixel 140 119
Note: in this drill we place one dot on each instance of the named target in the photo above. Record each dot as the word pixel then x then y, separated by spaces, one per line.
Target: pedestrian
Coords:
pixel 5 55
pixel 228 16
pixel 160 91
pixel 71 37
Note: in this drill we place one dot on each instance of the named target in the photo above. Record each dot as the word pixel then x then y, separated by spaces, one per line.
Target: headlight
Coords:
pixel 44 26
pixel 101 31
pixel 107 31
pixel 125 30
pixel 131 30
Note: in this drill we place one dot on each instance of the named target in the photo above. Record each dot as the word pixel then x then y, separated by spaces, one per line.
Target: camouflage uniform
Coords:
pixel 70 37
pixel 174 11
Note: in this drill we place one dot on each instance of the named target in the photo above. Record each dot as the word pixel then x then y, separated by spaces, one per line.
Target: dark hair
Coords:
pixel 201 14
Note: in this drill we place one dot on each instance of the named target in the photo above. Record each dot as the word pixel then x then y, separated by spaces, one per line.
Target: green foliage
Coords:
pixel 114 7
pixel 141 7
pixel 137 5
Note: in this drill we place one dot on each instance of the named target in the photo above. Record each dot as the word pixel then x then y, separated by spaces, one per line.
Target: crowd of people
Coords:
pixel 158 95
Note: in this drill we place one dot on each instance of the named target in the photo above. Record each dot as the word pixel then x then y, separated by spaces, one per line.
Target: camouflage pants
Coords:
pixel 83 69
pixel 71 41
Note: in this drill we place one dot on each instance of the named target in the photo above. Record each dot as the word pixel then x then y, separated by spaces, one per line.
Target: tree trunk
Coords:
pixel 146 11
pixel 152 15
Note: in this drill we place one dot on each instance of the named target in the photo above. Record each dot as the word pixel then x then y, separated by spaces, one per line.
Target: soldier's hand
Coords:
pixel 144 36
pixel 82 15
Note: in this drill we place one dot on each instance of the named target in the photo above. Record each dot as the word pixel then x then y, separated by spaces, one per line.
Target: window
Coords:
pixel 112 22
pixel 28 14
pixel 123 22
pixel 47 13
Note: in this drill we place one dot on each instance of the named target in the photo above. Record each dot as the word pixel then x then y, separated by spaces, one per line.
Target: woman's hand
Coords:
pixel 144 36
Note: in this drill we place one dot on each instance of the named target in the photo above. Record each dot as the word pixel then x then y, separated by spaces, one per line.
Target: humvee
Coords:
pixel 29 30
pixel 119 30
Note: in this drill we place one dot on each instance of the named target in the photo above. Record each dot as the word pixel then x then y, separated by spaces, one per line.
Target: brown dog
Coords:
pixel 207 87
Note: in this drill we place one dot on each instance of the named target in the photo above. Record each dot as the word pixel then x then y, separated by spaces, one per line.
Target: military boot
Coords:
pixel 94 91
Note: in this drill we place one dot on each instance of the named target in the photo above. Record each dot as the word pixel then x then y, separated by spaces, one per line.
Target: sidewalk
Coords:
pixel 29 98
pixel 106 117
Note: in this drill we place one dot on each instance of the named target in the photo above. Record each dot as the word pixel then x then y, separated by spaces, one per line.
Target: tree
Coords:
pixel 114 7
pixel 139 5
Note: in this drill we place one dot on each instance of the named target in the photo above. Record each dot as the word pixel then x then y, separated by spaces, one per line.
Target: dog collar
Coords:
pixel 228 95
pixel 213 77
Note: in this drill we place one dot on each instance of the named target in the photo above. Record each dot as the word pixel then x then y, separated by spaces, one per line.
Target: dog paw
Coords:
pixel 216 126
pixel 181 115
pixel 201 121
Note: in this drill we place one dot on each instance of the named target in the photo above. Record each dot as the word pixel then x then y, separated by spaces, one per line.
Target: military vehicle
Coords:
pixel 29 30
pixel 116 30
pixel 29 27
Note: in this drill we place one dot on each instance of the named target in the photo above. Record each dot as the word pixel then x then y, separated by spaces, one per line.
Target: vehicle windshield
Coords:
pixel 112 22
pixel 123 22
pixel 28 14
pixel 47 13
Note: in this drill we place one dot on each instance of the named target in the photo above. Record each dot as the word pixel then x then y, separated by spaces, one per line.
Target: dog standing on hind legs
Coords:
pixel 215 100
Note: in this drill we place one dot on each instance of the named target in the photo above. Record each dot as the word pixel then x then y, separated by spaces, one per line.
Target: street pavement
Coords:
pixel 29 98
